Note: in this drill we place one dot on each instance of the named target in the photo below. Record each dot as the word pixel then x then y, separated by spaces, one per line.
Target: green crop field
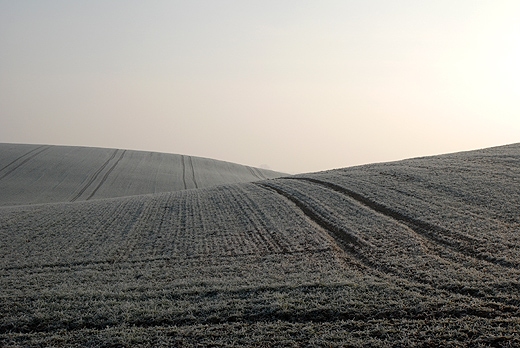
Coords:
pixel 114 248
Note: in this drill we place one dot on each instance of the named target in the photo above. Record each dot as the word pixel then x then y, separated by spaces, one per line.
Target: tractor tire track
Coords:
pixel 349 243
pixel 22 156
pixel 104 178
pixel 260 174
pixel 356 249
pixel 184 171
pixel 422 228
pixel 193 172
pixel 24 161
pixel 94 177
pixel 260 222
pixel 252 171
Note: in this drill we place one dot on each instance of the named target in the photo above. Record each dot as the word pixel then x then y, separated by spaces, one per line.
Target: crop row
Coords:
pixel 47 174
pixel 224 221
pixel 306 287
pixel 412 253
pixel 473 199
pixel 386 245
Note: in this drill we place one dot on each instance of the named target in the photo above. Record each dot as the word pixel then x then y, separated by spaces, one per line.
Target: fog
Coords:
pixel 295 86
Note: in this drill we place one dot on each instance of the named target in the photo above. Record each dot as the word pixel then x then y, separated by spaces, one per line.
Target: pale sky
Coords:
pixel 298 85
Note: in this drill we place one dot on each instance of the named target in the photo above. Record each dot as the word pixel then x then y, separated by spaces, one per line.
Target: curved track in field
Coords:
pixel 422 252
pixel 53 174
pixel 104 178
pixel 183 160
pixel 432 232
pixel 94 176
pixel 36 151
pixel 193 172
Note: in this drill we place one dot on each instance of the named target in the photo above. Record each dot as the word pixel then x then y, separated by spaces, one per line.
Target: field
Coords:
pixel 421 252
pixel 31 174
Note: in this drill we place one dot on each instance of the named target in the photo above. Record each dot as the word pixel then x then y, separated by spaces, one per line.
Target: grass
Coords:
pixel 422 252
pixel 39 174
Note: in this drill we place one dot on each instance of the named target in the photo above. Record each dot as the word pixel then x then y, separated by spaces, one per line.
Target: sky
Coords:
pixel 294 85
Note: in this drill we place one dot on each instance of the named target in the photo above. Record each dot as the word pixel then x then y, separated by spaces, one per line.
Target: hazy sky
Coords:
pixel 298 85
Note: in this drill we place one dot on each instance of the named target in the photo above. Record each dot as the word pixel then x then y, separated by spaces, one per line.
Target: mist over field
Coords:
pixel 298 85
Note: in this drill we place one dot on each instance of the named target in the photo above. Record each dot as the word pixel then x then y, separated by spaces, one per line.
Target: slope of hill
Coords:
pixel 421 252
pixel 45 174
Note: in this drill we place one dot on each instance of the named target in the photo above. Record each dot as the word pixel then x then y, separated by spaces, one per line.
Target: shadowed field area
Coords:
pixel 421 252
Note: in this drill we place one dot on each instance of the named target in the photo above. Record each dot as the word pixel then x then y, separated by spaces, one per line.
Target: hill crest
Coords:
pixel 31 174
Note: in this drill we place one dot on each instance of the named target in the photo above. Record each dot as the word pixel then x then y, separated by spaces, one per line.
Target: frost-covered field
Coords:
pixel 422 252
pixel 32 174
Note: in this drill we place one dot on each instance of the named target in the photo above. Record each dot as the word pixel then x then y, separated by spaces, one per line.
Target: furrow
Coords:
pixel 93 177
pixel 425 229
pixel 24 161
pixel 128 233
pixel 193 172
pixel 348 242
pixel 260 226
pixel 279 223
pixel 260 174
pixel 184 171
pixel 117 238
pixel 233 228
pixel 413 197
pixel 146 231
pixel 22 156
pixel 104 178
pixel 254 173
pixel 374 258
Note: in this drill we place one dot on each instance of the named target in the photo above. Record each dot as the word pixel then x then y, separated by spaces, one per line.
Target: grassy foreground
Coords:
pixel 422 252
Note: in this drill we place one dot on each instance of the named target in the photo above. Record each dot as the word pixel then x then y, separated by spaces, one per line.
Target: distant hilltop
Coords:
pixel 32 174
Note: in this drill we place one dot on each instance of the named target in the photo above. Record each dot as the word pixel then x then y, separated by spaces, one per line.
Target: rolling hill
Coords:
pixel 420 252
pixel 32 174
